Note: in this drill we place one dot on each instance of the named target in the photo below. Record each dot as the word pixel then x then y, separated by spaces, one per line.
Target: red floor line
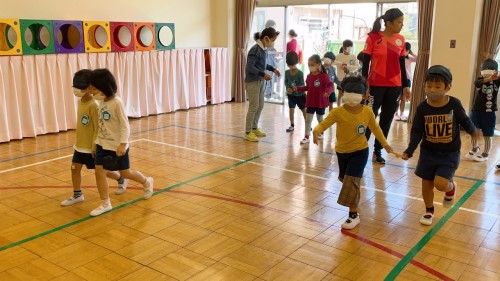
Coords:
pixel 347 233
pixel 399 255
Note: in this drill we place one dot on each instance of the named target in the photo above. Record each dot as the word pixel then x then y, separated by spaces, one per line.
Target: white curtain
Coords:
pixel 36 96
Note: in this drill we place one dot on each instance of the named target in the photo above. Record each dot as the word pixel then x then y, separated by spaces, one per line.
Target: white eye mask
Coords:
pixel 487 72
pixel 352 99
pixel 348 49
pixel 78 93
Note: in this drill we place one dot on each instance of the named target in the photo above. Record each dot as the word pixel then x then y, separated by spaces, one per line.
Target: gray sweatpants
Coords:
pixel 255 93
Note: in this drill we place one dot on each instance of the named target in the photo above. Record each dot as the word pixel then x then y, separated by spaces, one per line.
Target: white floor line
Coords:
pixel 312 176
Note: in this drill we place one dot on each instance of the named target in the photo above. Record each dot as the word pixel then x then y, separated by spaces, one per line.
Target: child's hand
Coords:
pixel 289 90
pixel 476 133
pixel 294 88
pixel 122 148
pixel 406 93
pixel 277 72
pixel 389 149
pixel 405 156
pixel 315 136
pixel 494 76
pixel 326 95
pixel 267 77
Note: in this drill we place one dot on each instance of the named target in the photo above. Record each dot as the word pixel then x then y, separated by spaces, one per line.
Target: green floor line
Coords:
pixel 428 236
pixel 131 202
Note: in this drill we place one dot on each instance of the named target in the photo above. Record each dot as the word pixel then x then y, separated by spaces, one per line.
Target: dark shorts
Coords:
pixel 317 110
pixel 102 156
pixel 484 121
pixel 84 159
pixel 352 164
pixel 432 163
pixel 299 101
pixel 332 97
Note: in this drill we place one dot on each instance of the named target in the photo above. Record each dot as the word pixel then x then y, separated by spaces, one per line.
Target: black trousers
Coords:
pixel 385 99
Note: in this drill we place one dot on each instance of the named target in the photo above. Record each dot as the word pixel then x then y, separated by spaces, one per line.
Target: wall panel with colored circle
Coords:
pixel 165 36
pixel 144 36
pixel 37 36
pixel 68 37
pixel 96 36
pixel 10 37
pixel 122 36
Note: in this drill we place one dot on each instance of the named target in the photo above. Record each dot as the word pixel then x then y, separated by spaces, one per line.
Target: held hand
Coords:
pixel 294 88
pixel 289 91
pixel 326 95
pixel 267 77
pixel 477 133
pixel 367 94
pixel 494 76
pixel 407 93
pixel 277 72
pixel 405 156
pixel 389 149
pixel 120 151
pixel 315 137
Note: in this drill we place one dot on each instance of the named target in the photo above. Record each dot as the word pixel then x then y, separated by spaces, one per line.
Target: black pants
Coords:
pixel 387 100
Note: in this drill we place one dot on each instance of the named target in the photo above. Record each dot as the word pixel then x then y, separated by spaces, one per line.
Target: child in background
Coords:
pixel 318 87
pixel 294 77
pixel 483 111
pixel 112 139
pixel 351 146
pixel 328 60
pixel 409 59
pixel 436 125
pixel 273 60
pixel 86 133
pixel 254 81
pixel 347 64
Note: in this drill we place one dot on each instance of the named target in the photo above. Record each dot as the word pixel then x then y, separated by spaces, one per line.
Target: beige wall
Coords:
pixel 192 18
pixel 461 23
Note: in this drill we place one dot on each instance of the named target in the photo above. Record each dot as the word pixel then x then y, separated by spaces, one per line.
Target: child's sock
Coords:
pixel 353 215
pixel 77 193
pixel 450 191
pixel 429 210
pixel 120 180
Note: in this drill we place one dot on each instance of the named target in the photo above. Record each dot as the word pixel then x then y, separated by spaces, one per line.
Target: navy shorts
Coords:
pixel 332 97
pixel 484 121
pixel 299 101
pixel 317 110
pixel 84 159
pixel 352 164
pixel 121 163
pixel 433 163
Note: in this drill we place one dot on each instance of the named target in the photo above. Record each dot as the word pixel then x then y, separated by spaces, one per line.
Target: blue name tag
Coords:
pixel 316 83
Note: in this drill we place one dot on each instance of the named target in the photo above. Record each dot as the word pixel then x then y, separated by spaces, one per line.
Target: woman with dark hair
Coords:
pixel 293 44
pixel 384 68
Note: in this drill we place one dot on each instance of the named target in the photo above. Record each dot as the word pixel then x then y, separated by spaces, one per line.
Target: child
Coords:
pixel 294 77
pixel 112 139
pixel 483 110
pixel 410 58
pixel 436 125
pixel 254 81
pixel 86 132
pixel 318 87
pixel 347 64
pixel 328 60
pixel 272 59
pixel 351 146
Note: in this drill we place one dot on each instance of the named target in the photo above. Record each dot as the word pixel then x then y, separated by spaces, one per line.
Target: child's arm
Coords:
pixel 465 121
pixel 251 62
pixel 416 134
pixel 329 84
pixel 94 117
pixel 336 80
pixel 124 129
pixel 301 88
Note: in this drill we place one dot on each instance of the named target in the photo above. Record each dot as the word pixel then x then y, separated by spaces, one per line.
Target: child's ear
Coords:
pixel 448 88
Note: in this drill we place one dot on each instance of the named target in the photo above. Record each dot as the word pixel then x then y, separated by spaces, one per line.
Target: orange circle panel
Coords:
pixel 144 36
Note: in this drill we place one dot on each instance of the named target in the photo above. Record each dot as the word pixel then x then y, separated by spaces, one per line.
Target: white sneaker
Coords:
pixel 290 129
pixel 72 200
pixel 320 136
pixel 148 188
pixel 304 141
pixel 103 208
pixel 470 155
pixel 480 158
pixel 122 187
pixel 426 218
pixel 351 223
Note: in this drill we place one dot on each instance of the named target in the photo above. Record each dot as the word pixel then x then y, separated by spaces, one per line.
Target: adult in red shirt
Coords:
pixel 384 68
pixel 293 44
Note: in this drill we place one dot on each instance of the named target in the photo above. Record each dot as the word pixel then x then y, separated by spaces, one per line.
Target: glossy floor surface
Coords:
pixel 229 209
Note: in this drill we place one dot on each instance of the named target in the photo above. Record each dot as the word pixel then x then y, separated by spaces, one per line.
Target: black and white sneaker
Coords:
pixel 377 157
pixel 351 223
pixel 290 129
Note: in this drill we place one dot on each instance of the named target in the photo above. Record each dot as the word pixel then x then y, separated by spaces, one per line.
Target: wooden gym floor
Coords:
pixel 228 209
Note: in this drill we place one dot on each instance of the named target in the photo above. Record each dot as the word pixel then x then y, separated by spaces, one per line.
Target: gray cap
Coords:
pixel 442 71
